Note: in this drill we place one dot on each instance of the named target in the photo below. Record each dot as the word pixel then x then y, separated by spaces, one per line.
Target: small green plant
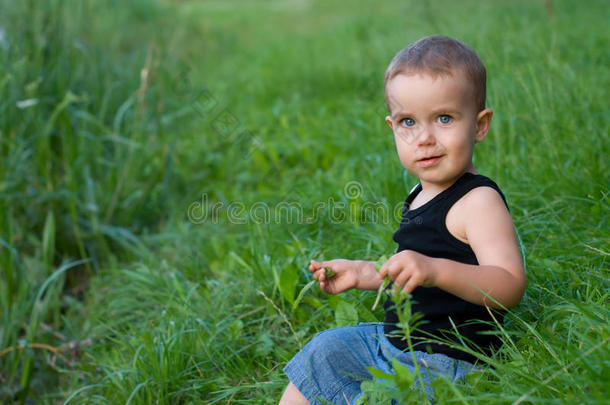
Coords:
pixel 384 284
pixel 405 383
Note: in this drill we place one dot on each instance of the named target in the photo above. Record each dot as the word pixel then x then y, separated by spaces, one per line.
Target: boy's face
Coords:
pixel 436 124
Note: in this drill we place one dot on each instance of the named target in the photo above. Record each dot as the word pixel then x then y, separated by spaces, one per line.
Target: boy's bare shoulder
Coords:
pixel 482 197
pixel 481 207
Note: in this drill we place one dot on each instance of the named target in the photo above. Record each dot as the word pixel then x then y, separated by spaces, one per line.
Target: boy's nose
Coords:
pixel 426 136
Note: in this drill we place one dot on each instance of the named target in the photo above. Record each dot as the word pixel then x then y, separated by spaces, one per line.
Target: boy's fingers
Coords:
pixel 313 265
pixel 410 286
pixel 402 278
pixel 383 271
pixel 328 288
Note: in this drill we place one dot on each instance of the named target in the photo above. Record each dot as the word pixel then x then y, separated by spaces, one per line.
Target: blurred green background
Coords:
pixel 123 124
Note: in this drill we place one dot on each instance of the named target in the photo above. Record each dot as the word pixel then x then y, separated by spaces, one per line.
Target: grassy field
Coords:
pixel 167 170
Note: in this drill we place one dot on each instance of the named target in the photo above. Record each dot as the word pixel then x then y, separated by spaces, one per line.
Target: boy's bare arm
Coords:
pixel 490 232
pixel 347 274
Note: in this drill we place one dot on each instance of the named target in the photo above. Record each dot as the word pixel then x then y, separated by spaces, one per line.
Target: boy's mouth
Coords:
pixel 429 161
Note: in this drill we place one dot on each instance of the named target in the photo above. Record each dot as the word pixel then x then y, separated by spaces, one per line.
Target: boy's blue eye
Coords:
pixel 444 119
pixel 408 122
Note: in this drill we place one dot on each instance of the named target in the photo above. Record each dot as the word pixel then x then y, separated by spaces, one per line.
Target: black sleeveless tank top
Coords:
pixel 423 230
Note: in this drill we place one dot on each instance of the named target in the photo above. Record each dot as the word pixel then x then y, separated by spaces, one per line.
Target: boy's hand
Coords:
pixel 409 269
pixel 343 277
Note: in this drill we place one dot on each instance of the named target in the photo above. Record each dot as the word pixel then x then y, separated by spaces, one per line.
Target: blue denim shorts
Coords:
pixel 331 366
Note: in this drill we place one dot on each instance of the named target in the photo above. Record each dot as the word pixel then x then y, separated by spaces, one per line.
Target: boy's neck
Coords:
pixel 431 190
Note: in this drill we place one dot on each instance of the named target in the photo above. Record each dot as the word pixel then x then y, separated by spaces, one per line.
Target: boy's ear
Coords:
pixel 388 119
pixel 483 122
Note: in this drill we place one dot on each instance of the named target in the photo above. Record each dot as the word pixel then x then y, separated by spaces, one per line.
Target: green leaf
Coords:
pixel 346 314
pixel 236 328
pixel 380 374
pixel 296 302
pixel 385 282
pixel 288 282
pixel 334 301
pixel 365 314
pixel 48 240
pixel 404 376
pixel 312 301
pixel 382 259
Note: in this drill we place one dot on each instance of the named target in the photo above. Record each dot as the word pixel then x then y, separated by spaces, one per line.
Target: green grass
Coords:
pixel 137 110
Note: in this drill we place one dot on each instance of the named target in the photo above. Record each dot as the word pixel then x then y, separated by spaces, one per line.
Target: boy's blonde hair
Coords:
pixel 439 55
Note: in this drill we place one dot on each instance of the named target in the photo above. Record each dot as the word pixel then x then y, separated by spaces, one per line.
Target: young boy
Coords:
pixel 457 248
